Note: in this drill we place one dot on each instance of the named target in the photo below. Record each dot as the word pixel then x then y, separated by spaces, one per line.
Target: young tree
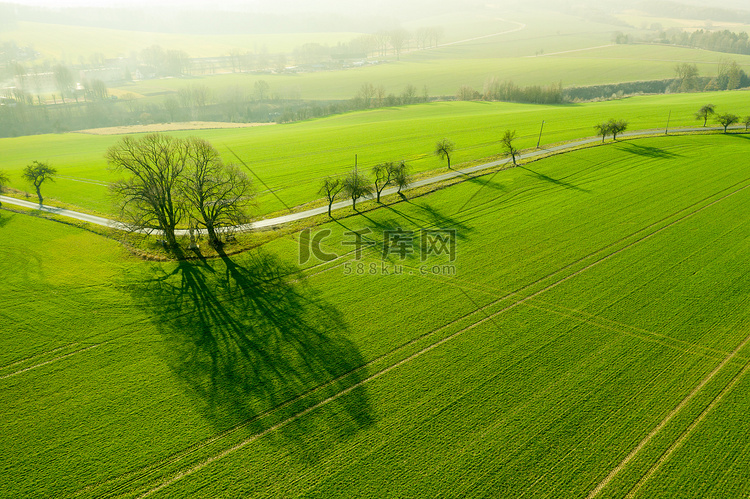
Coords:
pixel 217 194
pixel 602 129
pixel 401 176
pixel 151 198
pixel 36 173
pixel 383 173
pixel 330 189
pixel 746 122
pixel 704 112
pixel 617 126
pixel 727 119
pixel 355 186
pixel 444 149
pixel 508 147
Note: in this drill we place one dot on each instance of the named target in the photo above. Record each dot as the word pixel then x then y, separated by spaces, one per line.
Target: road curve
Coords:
pixel 293 217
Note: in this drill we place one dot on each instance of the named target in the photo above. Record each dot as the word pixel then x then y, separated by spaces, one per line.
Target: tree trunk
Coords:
pixel 213 238
pixel 329 209
pixel 39 194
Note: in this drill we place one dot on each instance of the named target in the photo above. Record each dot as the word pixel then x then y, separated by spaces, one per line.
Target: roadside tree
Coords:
pixel 383 174
pixel 151 198
pixel 356 186
pixel 330 188
pixel 602 129
pixel 727 119
pixel 217 195
pixel 704 112
pixel 617 126
pixel 36 174
pixel 509 147
pixel 444 149
pixel 401 176
pixel 746 122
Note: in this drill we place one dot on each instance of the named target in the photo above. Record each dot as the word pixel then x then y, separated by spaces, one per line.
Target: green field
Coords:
pixel 293 158
pixel 596 319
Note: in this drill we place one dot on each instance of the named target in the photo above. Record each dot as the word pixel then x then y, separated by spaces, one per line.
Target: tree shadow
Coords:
pixel 647 151
pixel 546 178
pixel 5 219
pixel 247 335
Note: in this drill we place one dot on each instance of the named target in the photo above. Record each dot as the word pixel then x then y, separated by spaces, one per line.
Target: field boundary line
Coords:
pixel 688 431
pixel 50 361
pixel 601 485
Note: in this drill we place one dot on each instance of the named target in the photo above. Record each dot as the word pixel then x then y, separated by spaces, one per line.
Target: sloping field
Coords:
pixel 589 338
pixel 292 159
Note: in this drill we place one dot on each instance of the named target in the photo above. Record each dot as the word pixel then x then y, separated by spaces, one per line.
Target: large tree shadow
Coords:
pixel 246 335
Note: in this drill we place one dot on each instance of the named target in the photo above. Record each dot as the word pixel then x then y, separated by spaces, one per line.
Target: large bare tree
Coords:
pixel 151 197
pixel 217 195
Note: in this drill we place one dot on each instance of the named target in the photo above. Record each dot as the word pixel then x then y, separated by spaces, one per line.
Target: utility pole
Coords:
pixel 540 135
pixel 666 130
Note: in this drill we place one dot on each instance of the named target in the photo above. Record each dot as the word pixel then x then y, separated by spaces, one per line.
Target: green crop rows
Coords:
pixel 595 316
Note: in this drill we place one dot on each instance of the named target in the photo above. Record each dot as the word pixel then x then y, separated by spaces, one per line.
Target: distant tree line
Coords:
pixel 507 91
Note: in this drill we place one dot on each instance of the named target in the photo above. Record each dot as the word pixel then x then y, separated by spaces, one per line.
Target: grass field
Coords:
pixel 593 340
pixel 293 158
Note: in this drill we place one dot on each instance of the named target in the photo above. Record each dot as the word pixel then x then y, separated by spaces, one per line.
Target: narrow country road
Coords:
pixel 270 222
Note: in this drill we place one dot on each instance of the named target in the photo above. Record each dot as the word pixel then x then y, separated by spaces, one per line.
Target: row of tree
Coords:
pixel 355 185
pixel 507 91
pixel 724 119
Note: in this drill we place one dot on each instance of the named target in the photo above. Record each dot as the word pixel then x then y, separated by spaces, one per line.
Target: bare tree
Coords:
pixel 218 195
pixel 261 88
pixel 151 198
pixel 401 176
pixel 36 174
pixel 398 38
pixel 444 149
pixel 704 112
pixel 330 189
pixel 64 80
pixel 356 186
pixel 602 129
pixel 508 147
pixel 727 119
pixel 617 126
pixel 383 173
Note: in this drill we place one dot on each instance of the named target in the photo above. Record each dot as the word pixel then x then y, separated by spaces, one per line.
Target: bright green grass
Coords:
pixel 292 159
pixel 540 399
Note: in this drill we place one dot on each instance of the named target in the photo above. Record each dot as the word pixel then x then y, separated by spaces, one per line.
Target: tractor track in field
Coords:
pixel 688 431
pixel 50 361
pixel 622 464
pixel 682 214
